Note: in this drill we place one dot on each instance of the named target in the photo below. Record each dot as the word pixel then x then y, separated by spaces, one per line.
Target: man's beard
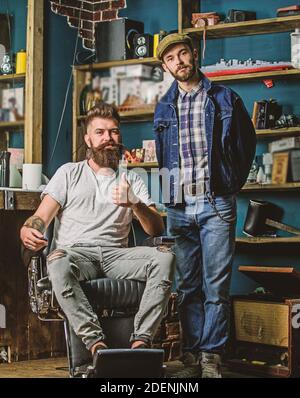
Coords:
pixel 189 71
pixel 109 157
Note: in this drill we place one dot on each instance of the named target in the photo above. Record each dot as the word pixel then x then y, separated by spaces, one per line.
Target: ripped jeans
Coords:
pixel 68 266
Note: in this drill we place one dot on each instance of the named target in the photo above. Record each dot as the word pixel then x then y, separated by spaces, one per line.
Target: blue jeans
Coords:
pixel 205 241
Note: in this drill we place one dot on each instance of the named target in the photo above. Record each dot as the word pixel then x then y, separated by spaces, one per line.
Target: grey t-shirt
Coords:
pixel 88 215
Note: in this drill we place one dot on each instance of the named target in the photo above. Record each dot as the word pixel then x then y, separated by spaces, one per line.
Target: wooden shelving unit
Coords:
pixel 247 28
pixel 12 125
pixel 279 74
pixel 33 85
pixel 271 187
pixel 13 77
pixel 141 115
pixel 107 65
pixel 138 115
pixel 278 133
pixel 147 165
pixel 23 200
pixel 266 240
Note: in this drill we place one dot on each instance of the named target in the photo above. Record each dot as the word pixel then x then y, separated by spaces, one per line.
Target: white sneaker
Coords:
pixel 211 366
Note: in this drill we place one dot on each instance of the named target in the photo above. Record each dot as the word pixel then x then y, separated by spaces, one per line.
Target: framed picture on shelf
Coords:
pixel 16 157
pixel 280 167
pixel 150 151
pixel 136 155
pixel 13 103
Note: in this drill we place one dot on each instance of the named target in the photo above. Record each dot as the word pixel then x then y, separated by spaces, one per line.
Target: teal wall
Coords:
pixel 18 10
pixel 60 41
pixel 162 14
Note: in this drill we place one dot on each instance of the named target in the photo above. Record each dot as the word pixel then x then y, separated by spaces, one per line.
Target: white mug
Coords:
pixel 31 176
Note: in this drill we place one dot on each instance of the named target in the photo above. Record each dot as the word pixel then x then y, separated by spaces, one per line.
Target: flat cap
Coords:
pixel 169 40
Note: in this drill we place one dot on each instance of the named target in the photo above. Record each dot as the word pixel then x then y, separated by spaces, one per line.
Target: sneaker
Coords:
pixel 211 366
pixel 191 368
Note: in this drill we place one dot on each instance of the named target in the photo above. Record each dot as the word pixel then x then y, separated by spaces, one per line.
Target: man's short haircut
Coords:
pixel 104 111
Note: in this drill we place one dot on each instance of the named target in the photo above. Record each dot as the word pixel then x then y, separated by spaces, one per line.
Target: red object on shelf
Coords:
pixel 243 71
pixel 268 83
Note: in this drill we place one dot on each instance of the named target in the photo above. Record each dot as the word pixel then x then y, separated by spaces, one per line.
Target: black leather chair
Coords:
pixel 114 300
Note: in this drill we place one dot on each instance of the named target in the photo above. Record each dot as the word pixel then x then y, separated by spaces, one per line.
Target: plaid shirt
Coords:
pixel 192 137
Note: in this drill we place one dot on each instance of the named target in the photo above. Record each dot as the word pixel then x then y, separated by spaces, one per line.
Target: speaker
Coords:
pixel 114 39
pixel 143 45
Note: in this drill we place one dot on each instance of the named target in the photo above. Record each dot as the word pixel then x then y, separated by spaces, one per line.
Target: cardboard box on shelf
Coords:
pixel 295 165
pixel 110 90
pixel 284 144
pixel 142 71
pixel 130 87
pixel 280 167
pixel 118 72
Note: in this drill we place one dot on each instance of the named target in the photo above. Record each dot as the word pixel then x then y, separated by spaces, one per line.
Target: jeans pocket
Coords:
pixel 225 208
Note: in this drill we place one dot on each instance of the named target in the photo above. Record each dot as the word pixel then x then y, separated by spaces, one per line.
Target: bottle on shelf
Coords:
pixel 4 168
pixel 21 62
pixel 252 177
pixel 90 94
pixel 295 48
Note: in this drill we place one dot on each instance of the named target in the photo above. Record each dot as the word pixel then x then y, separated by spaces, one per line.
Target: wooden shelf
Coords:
pixel 271 187
pixel 278 74
pixel 24 200
pixel 132 116
pixel 267 240
pixel 110 64
pixel 14 77
pixel 11 125
pixel 147 165
pixel 284 132
pixel 140 115
pixel 248 28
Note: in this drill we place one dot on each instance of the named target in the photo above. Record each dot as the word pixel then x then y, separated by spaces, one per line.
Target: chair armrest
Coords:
pixel 163 240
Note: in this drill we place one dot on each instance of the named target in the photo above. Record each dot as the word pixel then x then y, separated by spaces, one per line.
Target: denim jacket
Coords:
pixel 230 134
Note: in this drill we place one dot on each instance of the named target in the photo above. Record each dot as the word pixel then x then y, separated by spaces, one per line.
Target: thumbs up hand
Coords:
pixel 122 193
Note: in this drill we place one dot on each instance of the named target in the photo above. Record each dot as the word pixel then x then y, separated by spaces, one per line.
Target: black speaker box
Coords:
pixel 143 45
pixel 114 39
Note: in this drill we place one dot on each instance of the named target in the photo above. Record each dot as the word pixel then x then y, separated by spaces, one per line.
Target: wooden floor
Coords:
pixel 58 368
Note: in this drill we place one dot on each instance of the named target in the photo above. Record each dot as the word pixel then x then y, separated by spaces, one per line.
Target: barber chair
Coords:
pixel 115 301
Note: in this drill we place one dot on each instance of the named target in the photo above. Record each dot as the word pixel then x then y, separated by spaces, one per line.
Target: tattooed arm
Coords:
pixel 35 222
pixel 32 231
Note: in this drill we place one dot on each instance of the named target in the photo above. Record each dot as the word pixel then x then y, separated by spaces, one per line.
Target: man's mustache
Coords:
pixel 110 143
pixel 184 67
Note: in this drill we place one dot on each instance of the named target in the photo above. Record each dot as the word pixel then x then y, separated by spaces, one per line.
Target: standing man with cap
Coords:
pixel 206 140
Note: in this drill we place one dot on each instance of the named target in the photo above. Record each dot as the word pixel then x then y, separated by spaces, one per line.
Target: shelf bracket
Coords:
pixel 9 200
